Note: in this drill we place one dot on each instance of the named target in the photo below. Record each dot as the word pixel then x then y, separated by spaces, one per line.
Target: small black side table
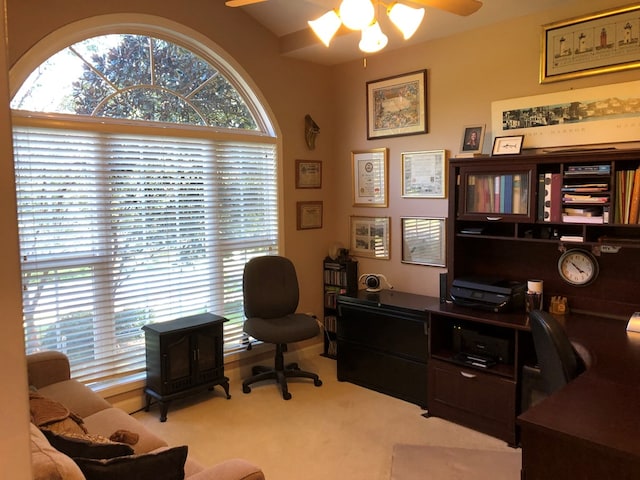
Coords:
pixel 184 356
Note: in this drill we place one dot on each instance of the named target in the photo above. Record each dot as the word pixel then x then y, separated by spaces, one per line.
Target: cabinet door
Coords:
pixel 207 354
pixel 497 193
pixel 176 358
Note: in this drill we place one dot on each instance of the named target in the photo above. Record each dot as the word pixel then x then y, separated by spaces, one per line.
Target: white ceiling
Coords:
pixel 287 19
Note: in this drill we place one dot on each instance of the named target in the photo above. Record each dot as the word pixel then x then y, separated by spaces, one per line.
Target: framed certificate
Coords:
pixel 370 174
pixel 424 174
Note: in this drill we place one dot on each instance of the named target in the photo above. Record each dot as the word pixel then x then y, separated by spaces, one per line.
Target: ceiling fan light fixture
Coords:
pixel 326 26
pixel 357 14
pixel 406 18
pixel 373 40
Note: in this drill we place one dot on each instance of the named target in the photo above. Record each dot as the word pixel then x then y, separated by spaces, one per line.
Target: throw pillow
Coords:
pixel 86 445
pixel 166 464
pixel 54 415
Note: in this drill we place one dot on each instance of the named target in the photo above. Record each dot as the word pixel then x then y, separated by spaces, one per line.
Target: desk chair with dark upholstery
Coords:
pixel 271 295
pixel 557 357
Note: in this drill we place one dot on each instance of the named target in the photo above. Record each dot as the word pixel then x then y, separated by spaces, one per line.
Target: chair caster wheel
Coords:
pixel 246 389
pixel 317 383
pixel 286 395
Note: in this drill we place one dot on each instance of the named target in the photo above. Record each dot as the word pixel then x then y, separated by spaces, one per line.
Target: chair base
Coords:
pixel 280 373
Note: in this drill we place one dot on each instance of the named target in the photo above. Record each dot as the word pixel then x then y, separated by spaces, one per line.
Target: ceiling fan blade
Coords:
pixel 459 7
pixel 242 3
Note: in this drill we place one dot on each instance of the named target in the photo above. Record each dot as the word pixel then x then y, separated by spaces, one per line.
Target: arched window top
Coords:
pixel 135 77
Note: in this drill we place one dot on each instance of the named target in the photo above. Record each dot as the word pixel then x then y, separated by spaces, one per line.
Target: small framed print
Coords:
pixel 423 241
pixel 472 139
pixel 308 174
pixel 309 215
pixel 370 173
pixel 370 237
pixel 507 145
pixel 424 174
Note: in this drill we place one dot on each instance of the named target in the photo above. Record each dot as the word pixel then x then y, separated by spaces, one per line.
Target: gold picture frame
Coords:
pixel 602 42
pixel 397 105
pixel 370 237
pixel 424 174
pixel 370 171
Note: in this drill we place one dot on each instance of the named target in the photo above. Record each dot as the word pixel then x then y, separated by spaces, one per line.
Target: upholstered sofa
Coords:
pixel 106 428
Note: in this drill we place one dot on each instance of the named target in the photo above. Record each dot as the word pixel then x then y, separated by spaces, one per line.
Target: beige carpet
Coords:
pixel 420 462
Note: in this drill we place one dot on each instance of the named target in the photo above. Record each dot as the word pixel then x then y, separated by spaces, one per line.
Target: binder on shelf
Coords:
pixel 634 207
pixel 556 198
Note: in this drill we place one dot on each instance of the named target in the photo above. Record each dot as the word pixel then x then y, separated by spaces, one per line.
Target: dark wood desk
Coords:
pixel 589 429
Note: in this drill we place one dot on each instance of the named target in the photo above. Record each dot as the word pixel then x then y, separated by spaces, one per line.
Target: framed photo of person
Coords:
pixel 472 139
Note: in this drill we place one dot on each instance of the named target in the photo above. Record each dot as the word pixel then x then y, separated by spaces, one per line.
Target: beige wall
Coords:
pixel 465 74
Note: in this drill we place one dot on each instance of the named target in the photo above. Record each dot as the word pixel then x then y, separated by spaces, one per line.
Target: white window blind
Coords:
pixel 119 230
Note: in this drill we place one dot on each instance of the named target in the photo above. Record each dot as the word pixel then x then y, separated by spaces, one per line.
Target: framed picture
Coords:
pixel 308 174
pixel 424 174
pixel 370 174
pixel 472 139
pixel 309 215
pixel 602 42
pixel 423 241
pixel 370 237
pixel 507 145
pixel 397 105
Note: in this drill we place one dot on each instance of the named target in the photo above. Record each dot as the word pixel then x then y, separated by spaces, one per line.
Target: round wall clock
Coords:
pixel 578 267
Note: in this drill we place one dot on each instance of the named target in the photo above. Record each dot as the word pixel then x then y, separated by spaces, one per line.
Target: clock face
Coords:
pixel 578 267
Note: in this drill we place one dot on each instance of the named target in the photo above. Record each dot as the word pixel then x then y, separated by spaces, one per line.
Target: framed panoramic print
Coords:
pixel 370 174
pixel 602 42
pixel 370 237
pixel 424 174
pixel 397 105
pixel 423 241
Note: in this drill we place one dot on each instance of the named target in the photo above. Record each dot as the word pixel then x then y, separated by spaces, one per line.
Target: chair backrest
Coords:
pixel 558 360
pixel 270 287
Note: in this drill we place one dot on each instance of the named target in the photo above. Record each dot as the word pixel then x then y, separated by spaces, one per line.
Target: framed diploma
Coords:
pixel 308 174
pixel 309 215
pixel 424 174
pixel 370 174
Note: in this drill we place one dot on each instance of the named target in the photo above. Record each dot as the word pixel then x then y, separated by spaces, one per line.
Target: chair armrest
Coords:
pixel 45 368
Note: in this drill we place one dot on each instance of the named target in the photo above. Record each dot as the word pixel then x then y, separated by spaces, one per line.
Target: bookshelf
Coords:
pixel 585 199
pixel 340 277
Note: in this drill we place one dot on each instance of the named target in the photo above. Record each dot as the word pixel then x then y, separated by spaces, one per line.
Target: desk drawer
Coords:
pixel 479 400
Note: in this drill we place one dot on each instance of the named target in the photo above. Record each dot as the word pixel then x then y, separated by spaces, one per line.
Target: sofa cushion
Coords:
pixel 86 445
pixel 51 414
pixel 165 464
pixel 106 422
pixel 47 463
pixel 76 396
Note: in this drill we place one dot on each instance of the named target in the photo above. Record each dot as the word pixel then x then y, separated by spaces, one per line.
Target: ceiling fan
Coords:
pixel 457 7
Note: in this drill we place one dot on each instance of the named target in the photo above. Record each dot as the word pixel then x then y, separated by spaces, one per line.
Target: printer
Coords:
pixel 486 293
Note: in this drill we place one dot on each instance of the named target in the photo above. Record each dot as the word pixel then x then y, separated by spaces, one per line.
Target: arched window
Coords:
pixel 146 178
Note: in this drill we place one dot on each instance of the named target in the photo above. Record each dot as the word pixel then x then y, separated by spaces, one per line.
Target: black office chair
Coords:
pixel 271 296
pixel 558 359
